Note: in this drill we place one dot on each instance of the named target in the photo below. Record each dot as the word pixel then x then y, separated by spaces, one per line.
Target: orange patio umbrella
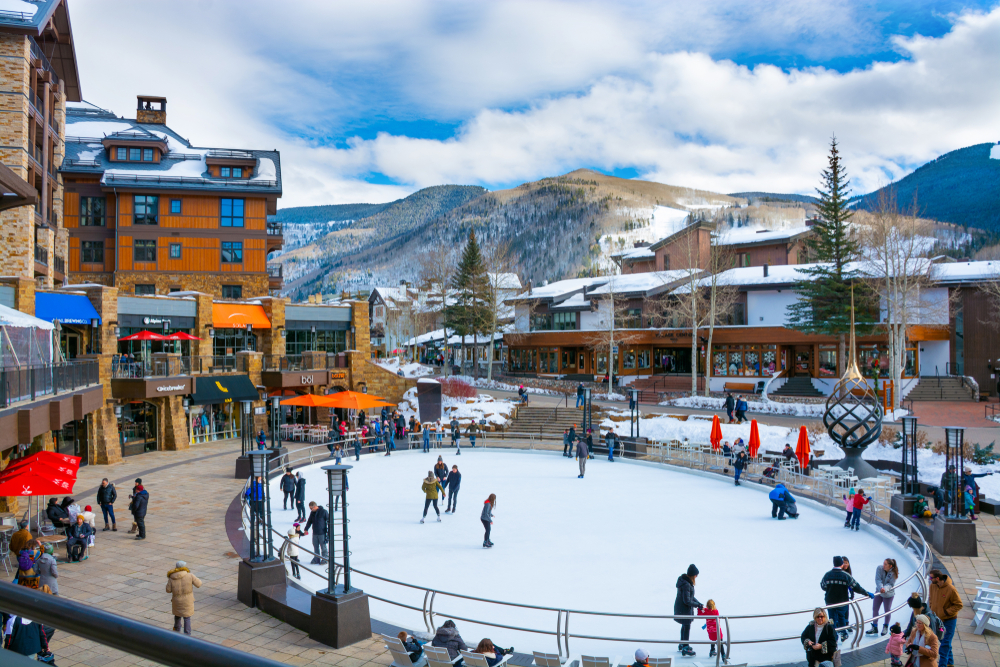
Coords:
pixel 802 449
pixel 716 436
pixel 353 400
pixel 754 444
pixel 308 401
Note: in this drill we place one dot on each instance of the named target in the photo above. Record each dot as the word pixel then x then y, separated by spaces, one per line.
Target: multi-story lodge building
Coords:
pixel 149 213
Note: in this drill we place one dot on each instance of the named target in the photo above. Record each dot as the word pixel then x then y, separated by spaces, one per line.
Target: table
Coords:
pixel 8 515
pixel 54 540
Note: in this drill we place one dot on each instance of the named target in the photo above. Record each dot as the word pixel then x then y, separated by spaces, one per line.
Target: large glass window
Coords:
pixel 93 211
pixel 628 361
pixel 232 252
pixel 145 250
pixel 92 252
pixel 232 291
pixel 827 361
pixel 744 360
pixel 630 319
pixel 548 360
pixel 228 342
pixel 146 209
pixel 564 321
pixel 522 360
pixel 643 358
pixel 231 213
pixel 297 342
pixel 135 155
pixel 541 322
pixel 145 290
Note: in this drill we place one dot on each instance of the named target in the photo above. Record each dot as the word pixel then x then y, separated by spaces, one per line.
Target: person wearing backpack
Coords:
pixel 919 607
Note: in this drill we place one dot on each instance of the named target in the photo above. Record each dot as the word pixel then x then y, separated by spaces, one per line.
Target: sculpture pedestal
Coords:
pixel 340 620
pixel 903 505
pixel 852 459
pixel 955 537
pixel 254 576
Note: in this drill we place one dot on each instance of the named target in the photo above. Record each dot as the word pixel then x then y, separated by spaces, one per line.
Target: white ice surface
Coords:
pixel 615 541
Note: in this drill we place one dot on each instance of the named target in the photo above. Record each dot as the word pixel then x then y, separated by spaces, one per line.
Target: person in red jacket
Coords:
pixel 712 626
pixel 859 504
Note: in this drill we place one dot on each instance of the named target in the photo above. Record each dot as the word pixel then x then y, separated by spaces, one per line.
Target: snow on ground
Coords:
pixel 411 370
pixel 608 397
pixel 483 406
pixel 814 410
pixel 614 542
pixel 483 383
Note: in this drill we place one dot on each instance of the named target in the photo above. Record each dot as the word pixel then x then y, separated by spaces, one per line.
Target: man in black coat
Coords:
pixel 686 604
pixel 287 488
pixel 730 406
pixel 106 497
pixel 140 500
pixel 837 583
pixel 300 497
pixel 318 520
pixel 454 484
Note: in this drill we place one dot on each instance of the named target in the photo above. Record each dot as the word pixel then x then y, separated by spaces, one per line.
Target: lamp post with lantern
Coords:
pixel 904 501
pixel 259 569
pixel 954 532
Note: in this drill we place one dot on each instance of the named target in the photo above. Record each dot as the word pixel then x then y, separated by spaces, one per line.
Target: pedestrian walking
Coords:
pixel 106 497
pixel 739 465
pixel 427 440
pixel 579 396
pixel 885 578
pixel 288 489
pixel 431 487
pixel 837 585
pixel 944 601
pixel 730 406
pixel 581 454
pixel 686 604
pixel 925 646
pixel 300 497
pixel 139 503
pixel 319 518
pixel 487 518
pixel 454 484
pixel 181 584
pixel 741 410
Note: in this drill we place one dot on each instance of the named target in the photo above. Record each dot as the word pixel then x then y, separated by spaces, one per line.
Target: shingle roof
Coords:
pixel 183 167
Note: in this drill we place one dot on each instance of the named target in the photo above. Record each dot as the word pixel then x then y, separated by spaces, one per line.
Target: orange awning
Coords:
pixel 238 316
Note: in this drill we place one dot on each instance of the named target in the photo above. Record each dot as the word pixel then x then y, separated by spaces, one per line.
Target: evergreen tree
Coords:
pixel 469 314
pixel 824 305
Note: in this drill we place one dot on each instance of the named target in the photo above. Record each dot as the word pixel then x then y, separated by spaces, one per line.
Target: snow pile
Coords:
pixel 96 129
pixel 813 410
pixel 18 6
pixel 266 171
pixel 412 370
pixel 545 517
pixel 495 411
pixel 483 383
pixel 608 397
pixel 931 466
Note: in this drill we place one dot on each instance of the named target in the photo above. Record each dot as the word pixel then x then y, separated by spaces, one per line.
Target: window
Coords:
pixel 630 318
pixel 121 154
pixel 237 172
pixel 175 206
pixel 298 341
pixel 145 290
pixel 232 291
pixel 92 211
pixel 174 288
pixel 666 262
pixel 743 259
pixel 379 311
pixel 224 172
pixel 232 212
pixel 146 209
pixel 147 154
pixel 92 252
pixel 541 323
pixel 175 251
pixel 134 154
pixel 746 360
pixel 145 251
pixel 738 316
pixel 564 321
pixel 827 361
pixel 232 252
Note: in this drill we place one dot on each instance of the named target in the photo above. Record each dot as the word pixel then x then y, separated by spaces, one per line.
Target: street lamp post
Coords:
pixel 954 533
pixel 261 543
pixel 586 409
pixel 275 421
pixel 954 437
pixel 910 483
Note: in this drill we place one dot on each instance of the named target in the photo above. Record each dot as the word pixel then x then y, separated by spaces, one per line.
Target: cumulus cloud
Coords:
pixel 538 88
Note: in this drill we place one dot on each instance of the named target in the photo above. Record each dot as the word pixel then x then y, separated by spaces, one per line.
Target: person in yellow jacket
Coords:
pixel 431 488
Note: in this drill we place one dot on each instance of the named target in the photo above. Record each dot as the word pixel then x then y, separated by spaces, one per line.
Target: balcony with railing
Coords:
pixel 59 266
pixel 41 255
pixel 124 368
pixel 29 383
pixel 310 361
pixel 275 276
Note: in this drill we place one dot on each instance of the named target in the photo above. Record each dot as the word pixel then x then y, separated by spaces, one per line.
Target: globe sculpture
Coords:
pixel 853 415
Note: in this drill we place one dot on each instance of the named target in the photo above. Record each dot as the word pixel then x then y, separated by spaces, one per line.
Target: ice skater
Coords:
pixel 780 497
pixel 739 465
pixel 712 627
pixel 427 440
pixel 438 433
pixel 609 441
pixel 456 436
pixel 487 518
pixel 686 604
pixel 431 487
pixel 441 471
pixel 581 454
pixel 454 483
pixel 859 505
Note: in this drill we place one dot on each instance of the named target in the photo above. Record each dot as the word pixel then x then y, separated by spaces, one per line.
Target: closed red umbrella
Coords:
pixel 716 436
pixel 144 335
pixel 802 448
pixel 754 443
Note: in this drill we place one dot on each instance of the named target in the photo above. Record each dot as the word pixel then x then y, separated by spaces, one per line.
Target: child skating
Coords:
pixel 487 518
pixel 849 506
pixel 712 626
pixel 431 487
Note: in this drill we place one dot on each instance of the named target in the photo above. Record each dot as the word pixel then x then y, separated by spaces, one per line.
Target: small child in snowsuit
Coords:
pixel 849 506
pixel 969 497
pixel 712 626
pixel 920 508
pixel 896 644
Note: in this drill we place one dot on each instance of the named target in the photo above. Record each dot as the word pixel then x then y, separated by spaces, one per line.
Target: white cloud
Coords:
pixel 592 84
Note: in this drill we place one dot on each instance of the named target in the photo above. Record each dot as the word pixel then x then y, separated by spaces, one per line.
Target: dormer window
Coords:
pixel 132 154
pixel 230 172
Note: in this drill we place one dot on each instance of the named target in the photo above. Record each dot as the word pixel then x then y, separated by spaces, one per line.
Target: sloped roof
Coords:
pixel 31 17
pixel 631 283
pixel 752 235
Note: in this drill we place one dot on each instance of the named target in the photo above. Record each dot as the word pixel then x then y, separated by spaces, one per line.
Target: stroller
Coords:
pixel 791 509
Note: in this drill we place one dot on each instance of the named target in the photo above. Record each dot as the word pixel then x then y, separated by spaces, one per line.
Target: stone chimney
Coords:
pixel 151 110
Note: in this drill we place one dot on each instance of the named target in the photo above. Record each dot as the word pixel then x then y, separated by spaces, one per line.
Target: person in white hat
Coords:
pixel 641 658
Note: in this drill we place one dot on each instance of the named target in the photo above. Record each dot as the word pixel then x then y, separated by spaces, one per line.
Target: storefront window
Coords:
pixel 548 360
pixel 910 363
pixel 827 361
pixel 673 359
pixel 628 361
pixel 138 428
pixel 719 366
pixel 745 360
pixel 297 342
pixel 873 359
pixel 644 358
pixel 228 342
pixel 602 363
pixel 216 421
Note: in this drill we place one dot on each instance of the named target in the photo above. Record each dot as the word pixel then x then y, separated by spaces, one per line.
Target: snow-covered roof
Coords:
pixel 966 271
pixel 505 280
pixel 629 283
pixel 15 318
pixel 635 254
pixel 747 235
pixel 561 287
pixel 782 274
pixel 575 302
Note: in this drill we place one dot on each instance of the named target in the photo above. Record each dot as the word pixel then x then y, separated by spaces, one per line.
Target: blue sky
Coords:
pixel 371 101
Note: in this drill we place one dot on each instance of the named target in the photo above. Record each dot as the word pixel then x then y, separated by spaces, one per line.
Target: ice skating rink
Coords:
pixel 615 541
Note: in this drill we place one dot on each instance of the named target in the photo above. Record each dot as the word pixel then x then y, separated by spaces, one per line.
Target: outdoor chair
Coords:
pixel 438 657
pixel 400 656
pixel 591 661
pixel 660 662
pixel 546 659
pixel 479 660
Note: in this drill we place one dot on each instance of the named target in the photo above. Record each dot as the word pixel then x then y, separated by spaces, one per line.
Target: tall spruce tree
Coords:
pixel 824 305
pixel 469 313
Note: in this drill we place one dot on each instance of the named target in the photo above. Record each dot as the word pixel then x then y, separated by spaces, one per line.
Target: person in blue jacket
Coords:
pixel 427 440
pixel 255 495
pixel 779 498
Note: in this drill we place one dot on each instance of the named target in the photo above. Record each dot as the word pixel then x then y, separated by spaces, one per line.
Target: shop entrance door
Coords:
pixel 803 361
pixel 138 428
pixel 72 440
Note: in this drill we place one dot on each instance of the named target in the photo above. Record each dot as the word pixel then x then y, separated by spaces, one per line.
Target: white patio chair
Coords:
pixel 479 660
pixel 660 662
pixel 400 656
pixel 593 661
pixel 438 657
pixel 546 659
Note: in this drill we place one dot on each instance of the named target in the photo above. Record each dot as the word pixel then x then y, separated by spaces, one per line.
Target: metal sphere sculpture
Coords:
pixel 853 415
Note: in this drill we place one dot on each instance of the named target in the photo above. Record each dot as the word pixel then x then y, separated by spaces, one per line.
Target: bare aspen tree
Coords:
pixel 613 312
pixel 436 271
pixel 500 262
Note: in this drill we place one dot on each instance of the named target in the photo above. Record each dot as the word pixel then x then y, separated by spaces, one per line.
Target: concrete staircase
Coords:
pixel 797 387
pixel 550 421
pixel 944 388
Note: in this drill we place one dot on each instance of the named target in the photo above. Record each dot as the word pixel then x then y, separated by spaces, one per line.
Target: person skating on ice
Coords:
pixel 427 440
pixel 438 432
pixel 739 465
pixel 566 442
pixel 581 455
pixel 431 487
pixel 454 483
pixel 456 435
pixel 590 443
pixel 441 471
pixel 487 518
pixel 685 604
pixel 572 440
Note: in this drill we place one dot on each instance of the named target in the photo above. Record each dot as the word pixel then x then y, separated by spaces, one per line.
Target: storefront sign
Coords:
pixel 153 320
pixel 338 375
pixel 306 381
pixel 260 411
pixel 171 387
pixel 138 388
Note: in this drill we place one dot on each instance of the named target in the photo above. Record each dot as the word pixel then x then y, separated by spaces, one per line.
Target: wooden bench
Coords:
pixel 747 387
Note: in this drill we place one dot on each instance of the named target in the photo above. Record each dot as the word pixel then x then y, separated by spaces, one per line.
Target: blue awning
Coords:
pixel 67 308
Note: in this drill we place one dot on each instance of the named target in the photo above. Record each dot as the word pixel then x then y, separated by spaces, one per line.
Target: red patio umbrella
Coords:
pixel 64 464
pixel 308 401
pixel 180 335
pixel 61 472
pixel 754 443
pixel 31 482
pixel 280 392
pixel 716 436
pixel 802 448
pixel 144 335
